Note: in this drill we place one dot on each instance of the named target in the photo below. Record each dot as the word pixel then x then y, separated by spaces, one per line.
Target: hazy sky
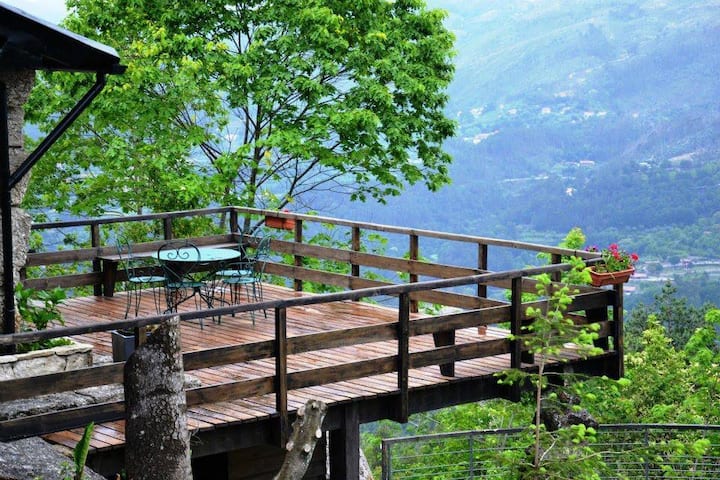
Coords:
pixel 50 10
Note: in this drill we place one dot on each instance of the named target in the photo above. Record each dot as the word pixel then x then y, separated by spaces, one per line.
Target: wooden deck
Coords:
pixel 367 361
pixel 240 329
pixel 301 321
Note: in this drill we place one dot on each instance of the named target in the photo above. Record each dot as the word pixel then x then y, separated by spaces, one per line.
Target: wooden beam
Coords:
pixel 345 445
pixel 403 365
pixel 281 378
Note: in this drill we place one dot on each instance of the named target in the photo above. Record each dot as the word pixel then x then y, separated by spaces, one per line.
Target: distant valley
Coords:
pixel 599 114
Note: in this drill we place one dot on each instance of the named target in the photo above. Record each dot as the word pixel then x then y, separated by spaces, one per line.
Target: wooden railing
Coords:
pixel 228 219
pixel 588 305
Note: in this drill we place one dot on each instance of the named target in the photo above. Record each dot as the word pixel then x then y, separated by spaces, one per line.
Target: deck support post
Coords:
pixel 618 331
pixel 516 330
pixel 281 387
pixel 403 358
pixel 598 315
pixel 345 446
pixel 444 339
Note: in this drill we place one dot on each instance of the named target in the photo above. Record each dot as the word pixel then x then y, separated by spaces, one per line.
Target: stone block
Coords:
pixel 40 366
pixel 6 371
pixel 78 361
pixel 65 350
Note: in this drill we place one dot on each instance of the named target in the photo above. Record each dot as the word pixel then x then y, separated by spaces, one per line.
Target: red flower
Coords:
pixel 615 259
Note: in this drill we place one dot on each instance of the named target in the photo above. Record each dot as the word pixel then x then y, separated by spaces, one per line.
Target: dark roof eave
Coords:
pixel 28 42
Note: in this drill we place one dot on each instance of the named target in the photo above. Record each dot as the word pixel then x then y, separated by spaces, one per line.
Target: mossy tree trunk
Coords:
pixel 156 431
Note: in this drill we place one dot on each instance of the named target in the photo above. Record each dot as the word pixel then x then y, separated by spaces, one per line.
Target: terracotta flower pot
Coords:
pixel 610 278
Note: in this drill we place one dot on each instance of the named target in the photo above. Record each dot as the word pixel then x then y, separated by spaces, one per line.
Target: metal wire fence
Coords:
pixel 630 451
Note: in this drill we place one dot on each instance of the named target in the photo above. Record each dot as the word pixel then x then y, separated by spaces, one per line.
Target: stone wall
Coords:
pixel 19 84
pixel 42 362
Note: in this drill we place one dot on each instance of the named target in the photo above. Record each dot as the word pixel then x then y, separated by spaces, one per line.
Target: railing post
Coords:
pixel 354 267
pixel 96 263
pixel 167 228
pixel 281 387
pixel 414 254
pixel 386 460
pixel 355 245
pixel 516 330
pixel 298 284
pixel 471 460
pixel 556 259
pixel 482 265
pixel 618 331
pixel 233 221
pixel 403 357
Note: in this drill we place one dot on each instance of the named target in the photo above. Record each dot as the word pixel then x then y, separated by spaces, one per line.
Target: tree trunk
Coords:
pixel 307 430
pixel 157 442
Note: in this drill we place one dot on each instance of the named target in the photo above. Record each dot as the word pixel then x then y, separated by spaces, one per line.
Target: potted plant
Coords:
pixel 617 266
pixel 123 344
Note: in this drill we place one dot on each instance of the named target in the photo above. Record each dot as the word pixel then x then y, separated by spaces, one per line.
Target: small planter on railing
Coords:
pixel 610 278
pixel 617 266
pixel 281 223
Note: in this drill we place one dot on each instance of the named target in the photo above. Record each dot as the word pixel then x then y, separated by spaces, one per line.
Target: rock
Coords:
pixel 561 412
pixel 33 458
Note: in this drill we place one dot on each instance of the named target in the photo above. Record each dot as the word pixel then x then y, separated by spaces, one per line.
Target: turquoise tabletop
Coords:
pixel 207 254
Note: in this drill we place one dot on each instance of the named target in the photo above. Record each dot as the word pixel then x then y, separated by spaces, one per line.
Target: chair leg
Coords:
pixel 247 295
pixel 128 299
pixel 157 292
pixel 258 294
pixel 137 293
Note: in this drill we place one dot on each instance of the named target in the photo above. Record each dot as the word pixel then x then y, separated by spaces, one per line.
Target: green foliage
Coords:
pixel 36 316
pixel 76 471
pixel 249 103
pixel 38 310
pixel 674 313
pixel 547 335
pixel 80 452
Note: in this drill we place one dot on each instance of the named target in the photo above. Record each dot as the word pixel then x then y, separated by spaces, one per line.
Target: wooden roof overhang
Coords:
pixel 30 43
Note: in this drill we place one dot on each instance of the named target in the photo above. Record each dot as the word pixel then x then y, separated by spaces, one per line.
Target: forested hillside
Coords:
pixel 599 114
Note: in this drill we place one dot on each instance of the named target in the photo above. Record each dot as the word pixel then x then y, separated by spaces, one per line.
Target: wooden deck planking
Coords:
pixel 300 321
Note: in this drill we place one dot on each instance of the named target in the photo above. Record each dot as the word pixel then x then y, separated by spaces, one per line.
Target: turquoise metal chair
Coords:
pixel 139 276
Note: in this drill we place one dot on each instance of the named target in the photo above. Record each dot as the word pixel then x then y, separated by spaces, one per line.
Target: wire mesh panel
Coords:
pixel 619 452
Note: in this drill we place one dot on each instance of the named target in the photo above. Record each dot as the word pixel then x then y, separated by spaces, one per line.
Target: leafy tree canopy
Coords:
pixel 257 103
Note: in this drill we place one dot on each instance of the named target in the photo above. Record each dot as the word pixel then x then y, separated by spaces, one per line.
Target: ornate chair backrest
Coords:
pixel 262 251
pixel 180 260
pixel 124 250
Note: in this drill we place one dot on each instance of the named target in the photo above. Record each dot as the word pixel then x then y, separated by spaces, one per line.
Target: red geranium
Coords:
pixel 614 259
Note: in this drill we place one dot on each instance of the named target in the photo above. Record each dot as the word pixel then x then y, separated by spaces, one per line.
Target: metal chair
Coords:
pixel 184 278
pixel 235 277
pixel 138 277
pixel 247 273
